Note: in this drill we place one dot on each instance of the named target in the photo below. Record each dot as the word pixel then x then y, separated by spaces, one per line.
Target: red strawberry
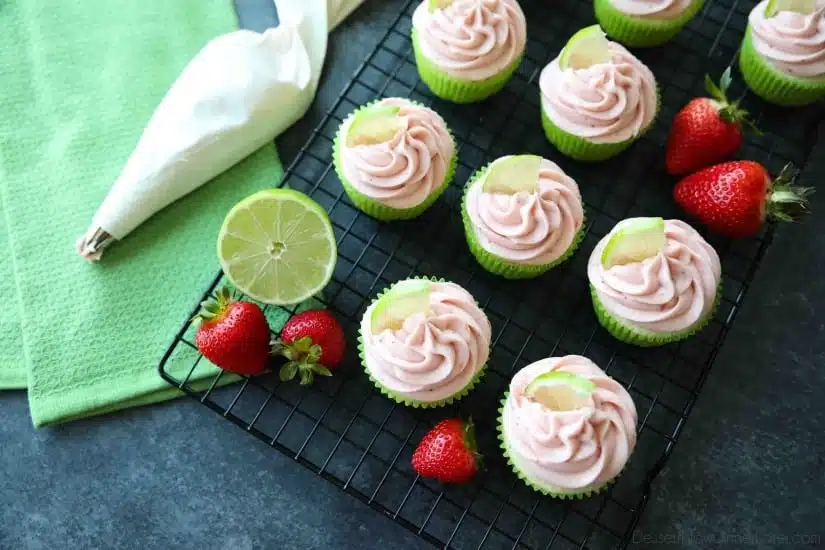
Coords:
pixel 734 198
pixel 448 452
pixel 314 343
pixel 233 335
pixel 706 130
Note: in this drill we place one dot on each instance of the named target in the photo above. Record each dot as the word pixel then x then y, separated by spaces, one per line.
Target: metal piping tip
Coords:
pixel 91 245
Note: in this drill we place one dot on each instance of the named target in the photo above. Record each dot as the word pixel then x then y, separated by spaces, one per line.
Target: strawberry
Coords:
pixel 734 198
pixel 448 452
pixel 313 342
pixel 234 335
pixel 707 130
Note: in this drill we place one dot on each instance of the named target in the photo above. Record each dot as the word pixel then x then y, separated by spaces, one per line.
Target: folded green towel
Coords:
pixel 12 361
pixel 80 80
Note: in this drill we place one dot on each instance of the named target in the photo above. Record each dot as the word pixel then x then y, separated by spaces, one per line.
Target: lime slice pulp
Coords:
pixel 586 48
pixel 798 6
pixel 403 300
pixel 277 246
pixel 634 241
pixel 513 174
pixel 560 391
pixel 373 125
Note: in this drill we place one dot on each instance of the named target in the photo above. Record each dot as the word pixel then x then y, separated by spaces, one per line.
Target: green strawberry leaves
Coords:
pixel 302 357
pixel 729 111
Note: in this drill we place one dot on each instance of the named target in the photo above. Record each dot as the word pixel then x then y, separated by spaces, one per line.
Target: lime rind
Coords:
pixel 580 384
pixel 510 175
pixel 642 32
pixel 584 150
pixel 401 398
pixel 624 332
pixel 372 207
pixel 456 90
pixel 634 242
pixel 532 483
pixel 771 84
pixel 587 47
pixel 500 266
pixel 228 237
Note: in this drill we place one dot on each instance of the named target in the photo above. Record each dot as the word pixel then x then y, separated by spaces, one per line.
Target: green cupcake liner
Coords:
pixel 579 148
pixel 453 89
pixel 532 483
pixel 771 84
pixel 372 207
pixel 641 32
pixel 636 336
pixel 500 266
pixel 403 399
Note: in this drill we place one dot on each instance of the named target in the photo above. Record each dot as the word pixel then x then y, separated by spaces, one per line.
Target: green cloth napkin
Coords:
pixel 79 82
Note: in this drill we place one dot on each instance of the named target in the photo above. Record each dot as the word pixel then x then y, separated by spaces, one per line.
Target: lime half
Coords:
pixel 634 241
pixel 586 48
pixel 798 6
pixel 560 391
pixel 277 246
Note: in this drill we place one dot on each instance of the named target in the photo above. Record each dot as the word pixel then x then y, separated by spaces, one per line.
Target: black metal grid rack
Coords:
pixel 346 431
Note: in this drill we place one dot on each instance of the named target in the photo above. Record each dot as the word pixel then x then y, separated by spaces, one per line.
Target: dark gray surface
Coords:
pixel 747 471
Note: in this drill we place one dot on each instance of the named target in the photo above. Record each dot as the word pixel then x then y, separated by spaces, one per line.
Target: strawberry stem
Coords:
pixel 786 201
pixel 729 111
pixel 302 356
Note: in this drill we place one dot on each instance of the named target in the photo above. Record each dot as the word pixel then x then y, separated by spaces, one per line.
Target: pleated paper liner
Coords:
pixel 771 84
pixel 500 266
pixel 638 337
pixel 641 32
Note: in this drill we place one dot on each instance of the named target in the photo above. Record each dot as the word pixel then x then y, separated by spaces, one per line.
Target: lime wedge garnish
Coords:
pixel 277 246
pixel 559 390
pixel 586 48
pixel 634 241
pixel 403 300
pixel 513 174
pixel 434 5
pixel 798 6
pixel 372 125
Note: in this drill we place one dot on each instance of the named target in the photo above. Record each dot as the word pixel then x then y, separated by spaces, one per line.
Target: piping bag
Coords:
pixel 239 92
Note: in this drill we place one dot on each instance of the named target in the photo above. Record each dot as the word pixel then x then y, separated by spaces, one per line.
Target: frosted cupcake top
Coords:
pixel 471 40
pixel 653 9
pixel 605 103
pixel 666 293
pixel 529 228
pixel 404 171
pixel 433 355
pixel 572 448
pixel 792 42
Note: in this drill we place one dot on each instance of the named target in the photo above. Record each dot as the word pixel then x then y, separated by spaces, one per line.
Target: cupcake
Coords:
pixel 467 50
pixel 654 281
pixel 567 429
pixel 596 97
pixel 522 216
pixel 643 23
pixel 394 158
pixel 424 343
pixel 783 54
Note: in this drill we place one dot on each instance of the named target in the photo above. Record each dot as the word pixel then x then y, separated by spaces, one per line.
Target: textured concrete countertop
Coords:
pixel 747 471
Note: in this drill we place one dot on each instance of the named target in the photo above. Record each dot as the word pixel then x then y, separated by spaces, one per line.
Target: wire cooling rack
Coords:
pixel 347 432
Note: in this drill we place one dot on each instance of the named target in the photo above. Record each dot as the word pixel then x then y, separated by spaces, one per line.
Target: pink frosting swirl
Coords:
pixel 402 172
pixel 653 9
pixel 792 42
pixel 576 450
pixel 606 103
pixel 530 228
pixel 472 39
pixel 669 292
pixel 432 356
